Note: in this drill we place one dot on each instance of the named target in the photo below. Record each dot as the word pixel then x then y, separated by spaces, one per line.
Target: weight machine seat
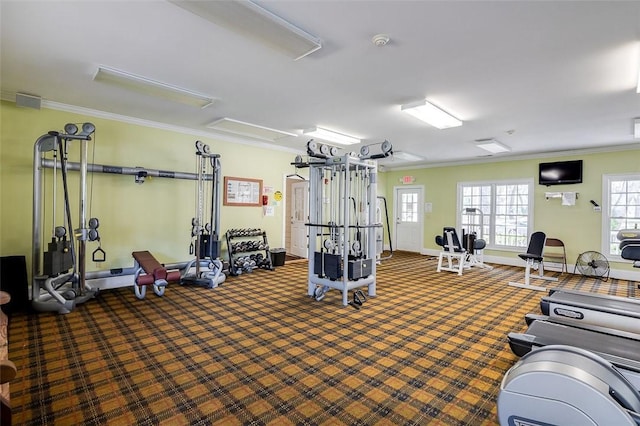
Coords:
pixel 630 250
pixel 479 244
pixel 154 270
pixel 534 259
pixel 454 245
pixel 535 248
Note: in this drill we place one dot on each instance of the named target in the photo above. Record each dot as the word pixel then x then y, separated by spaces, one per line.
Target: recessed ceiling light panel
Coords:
pixel 237 127
pixel 492 145
pixel 332 136
pixel 247 18
pixel 407 156
pixel 431 114
pixel 151 87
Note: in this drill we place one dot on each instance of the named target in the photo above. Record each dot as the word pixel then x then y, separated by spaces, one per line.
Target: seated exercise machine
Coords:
pixel 460 257
pixel 473 240
pixel 469 254
pixel 456 255
pixel 534 258
pixel 154 274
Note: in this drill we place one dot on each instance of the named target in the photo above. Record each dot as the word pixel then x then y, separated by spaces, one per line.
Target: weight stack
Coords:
pixel 332 264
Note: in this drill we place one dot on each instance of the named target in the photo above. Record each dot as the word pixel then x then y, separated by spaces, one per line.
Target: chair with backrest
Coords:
pixel 534 258
pixel 558 253
pixel 453 251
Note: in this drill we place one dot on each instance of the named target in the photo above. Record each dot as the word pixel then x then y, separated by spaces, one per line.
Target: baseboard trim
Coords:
pixel 620 274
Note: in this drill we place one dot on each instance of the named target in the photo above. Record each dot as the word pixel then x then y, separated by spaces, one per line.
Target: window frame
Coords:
pixel 606 211
pixel 492 222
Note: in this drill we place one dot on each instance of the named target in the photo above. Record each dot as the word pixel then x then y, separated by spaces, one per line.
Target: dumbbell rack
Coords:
pixel 248 250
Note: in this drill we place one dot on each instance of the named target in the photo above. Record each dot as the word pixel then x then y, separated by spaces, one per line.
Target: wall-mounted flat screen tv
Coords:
pixel 560 173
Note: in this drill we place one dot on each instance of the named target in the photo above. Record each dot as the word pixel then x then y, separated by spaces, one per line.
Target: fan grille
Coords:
pixel 593 264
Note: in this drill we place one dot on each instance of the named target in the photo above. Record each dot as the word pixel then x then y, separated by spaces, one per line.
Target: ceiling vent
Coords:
pixel 28 101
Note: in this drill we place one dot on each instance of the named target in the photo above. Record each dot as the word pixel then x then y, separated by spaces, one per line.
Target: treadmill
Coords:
pixel 620 348
pixel 621 313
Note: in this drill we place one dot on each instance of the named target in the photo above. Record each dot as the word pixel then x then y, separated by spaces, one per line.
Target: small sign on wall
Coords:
pixel 407 180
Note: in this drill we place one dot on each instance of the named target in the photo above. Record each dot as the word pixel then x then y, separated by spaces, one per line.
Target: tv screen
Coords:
pixel 560 172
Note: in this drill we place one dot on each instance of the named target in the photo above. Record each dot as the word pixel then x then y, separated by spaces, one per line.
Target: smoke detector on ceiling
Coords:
pixel 380 39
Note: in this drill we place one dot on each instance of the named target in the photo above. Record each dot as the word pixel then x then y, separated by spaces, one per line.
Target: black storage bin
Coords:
pixel 277 256
pixel 13 280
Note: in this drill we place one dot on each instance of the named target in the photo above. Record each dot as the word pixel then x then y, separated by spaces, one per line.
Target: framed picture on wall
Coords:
pixel 242 191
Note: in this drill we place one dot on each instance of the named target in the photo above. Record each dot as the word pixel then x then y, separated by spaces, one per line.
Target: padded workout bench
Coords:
pixel 154 274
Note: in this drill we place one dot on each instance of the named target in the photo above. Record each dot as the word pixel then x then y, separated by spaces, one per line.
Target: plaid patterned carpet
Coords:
pixel 429 349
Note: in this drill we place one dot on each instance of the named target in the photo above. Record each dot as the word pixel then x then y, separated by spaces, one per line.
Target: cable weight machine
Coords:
pixel 205 225
pixel 342 226
pixel 59 273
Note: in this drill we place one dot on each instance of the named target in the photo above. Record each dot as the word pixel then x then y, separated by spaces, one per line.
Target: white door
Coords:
pixel 299 216
pixel 408 214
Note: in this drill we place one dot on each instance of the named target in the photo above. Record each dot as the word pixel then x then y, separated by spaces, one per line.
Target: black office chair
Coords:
pixel 534 257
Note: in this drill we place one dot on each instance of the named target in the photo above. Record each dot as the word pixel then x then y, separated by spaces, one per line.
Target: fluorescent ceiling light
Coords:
pixel 431 114
pixel 247 18
pixel 150 87
pixel 636 128
pixel 331 136
pixel 238 127
pixel 492 145
pixel 406 156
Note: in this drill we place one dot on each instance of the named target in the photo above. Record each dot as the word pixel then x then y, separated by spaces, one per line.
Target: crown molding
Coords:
pixel 503 158
pixel 58 106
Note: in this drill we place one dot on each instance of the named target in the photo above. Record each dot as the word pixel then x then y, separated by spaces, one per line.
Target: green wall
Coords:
pixel 154 216
pixel 579 226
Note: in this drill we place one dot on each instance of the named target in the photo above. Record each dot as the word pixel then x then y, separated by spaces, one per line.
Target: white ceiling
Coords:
pixel 538 76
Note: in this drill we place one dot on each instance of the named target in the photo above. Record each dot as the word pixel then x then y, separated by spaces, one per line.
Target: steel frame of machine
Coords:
pixel 342 227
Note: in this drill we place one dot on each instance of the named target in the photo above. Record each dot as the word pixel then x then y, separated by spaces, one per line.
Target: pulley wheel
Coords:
pixel 324 149
pixel 386 147
pixel 94 223
pixel 333 151
pixel 70 129
pixel 60 231
pixel 88 128
pixel 364 150
pixel 199 146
